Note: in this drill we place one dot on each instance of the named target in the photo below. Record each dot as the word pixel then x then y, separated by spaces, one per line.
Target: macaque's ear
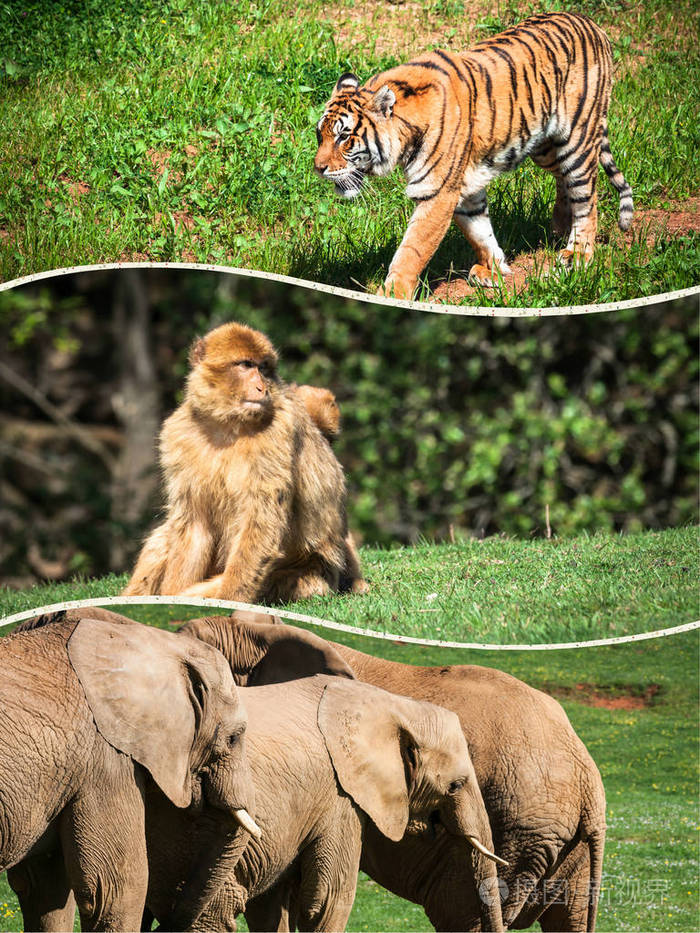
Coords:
pixel 347 82
pixel 383 101
pixel 197 351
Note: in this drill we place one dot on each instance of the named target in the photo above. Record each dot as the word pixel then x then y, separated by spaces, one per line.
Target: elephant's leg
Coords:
pixel 104 845
pixel 44 893
pixel 329 869
pixel 566 897
pixel 271 910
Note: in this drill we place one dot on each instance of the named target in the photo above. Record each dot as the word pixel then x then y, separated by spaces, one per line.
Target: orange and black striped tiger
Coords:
pixel 453 121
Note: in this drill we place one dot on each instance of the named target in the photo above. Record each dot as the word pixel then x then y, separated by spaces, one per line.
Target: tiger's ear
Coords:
pixel 383 101
pixel 347 82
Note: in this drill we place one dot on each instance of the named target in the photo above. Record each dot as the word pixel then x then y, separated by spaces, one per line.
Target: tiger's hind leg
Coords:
pixel 472 217
pixel 561 215
pixel 579 174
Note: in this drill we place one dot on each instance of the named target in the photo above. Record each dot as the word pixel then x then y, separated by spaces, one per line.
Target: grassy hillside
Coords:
pixel 498 590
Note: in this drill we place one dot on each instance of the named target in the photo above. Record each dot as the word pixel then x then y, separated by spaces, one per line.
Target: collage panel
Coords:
pixel 578 777
pixel 507 481
pixel 262 136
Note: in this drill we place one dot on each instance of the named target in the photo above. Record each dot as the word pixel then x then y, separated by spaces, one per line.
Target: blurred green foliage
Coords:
pixel 451 425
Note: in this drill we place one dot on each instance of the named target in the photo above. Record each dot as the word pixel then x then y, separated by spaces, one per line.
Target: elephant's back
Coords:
pixel 43 705
pixel 466 689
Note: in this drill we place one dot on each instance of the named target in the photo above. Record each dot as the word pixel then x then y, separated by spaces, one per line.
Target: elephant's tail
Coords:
pixel 596 844
pixel 593 832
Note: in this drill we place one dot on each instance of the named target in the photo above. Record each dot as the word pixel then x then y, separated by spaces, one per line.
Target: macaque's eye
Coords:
pixel 455 786
pixel 245 364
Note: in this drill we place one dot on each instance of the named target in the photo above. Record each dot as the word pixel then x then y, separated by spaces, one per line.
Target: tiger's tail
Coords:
pixel 617 180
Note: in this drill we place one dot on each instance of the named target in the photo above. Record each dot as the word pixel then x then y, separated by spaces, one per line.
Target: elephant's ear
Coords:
pixel 141 696
pixel 293 653
pixel 368 746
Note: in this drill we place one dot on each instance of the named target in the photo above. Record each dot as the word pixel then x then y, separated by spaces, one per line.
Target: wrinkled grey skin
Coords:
pixel 77 761
pixel 542 790
pixel 313 806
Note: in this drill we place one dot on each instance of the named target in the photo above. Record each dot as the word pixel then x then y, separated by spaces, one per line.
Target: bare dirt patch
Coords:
pixel 589 695
pixel 182 220
pixel 76 189
pixel 521 268
pixel 403 29
pixel 679 219
pixel 160 160
pixel 651 224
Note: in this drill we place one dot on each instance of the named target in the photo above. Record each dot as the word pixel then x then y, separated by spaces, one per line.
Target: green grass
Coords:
pixel 181 130
pixel 499 590
pixel 648 758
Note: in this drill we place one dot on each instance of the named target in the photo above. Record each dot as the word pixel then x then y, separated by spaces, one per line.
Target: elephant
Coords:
pixel 543 792
pixel 331 757
pixel 97 712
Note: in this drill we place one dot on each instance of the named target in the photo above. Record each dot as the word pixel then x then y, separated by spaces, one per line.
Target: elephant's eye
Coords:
pixel 233 739
pixel 455 786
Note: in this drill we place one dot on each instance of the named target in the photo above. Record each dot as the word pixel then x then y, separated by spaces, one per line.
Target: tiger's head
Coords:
pixel 354 136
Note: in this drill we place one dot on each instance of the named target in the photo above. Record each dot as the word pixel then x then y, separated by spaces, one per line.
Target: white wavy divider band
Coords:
pixel 336 626
pixel 459 310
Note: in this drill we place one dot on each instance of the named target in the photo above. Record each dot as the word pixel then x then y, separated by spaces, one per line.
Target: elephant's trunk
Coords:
pixel 213 866
pixel 469 820
pixel 488 892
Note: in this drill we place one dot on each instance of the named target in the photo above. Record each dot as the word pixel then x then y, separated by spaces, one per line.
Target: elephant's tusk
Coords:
pixel 247 822
pixel 484 851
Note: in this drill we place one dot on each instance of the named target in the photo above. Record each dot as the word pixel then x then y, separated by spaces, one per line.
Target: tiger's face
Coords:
pixel 350 136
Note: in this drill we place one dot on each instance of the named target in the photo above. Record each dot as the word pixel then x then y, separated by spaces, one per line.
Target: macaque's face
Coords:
pixel 234 374
pixel 250 382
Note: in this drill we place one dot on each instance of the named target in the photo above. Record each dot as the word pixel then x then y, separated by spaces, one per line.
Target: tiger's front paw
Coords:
pixel 488 277
pixel 397 286
pixel 579 254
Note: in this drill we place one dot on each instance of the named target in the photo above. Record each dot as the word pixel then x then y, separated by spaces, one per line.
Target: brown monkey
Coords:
pixel 325 414
pixel 255 496
pixel 323 409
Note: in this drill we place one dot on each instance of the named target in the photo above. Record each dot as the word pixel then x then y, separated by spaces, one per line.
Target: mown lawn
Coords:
pixel 499 590
pixel 647 754
pixel 184 131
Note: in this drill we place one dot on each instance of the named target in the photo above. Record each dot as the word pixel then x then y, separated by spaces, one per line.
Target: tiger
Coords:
pixel 454 121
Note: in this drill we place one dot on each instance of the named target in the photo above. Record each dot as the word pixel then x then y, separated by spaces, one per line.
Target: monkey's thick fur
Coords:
pixel 255 495
pixel 323 409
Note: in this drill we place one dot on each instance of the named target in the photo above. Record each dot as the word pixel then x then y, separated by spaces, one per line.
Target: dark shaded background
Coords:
pixel 450 425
